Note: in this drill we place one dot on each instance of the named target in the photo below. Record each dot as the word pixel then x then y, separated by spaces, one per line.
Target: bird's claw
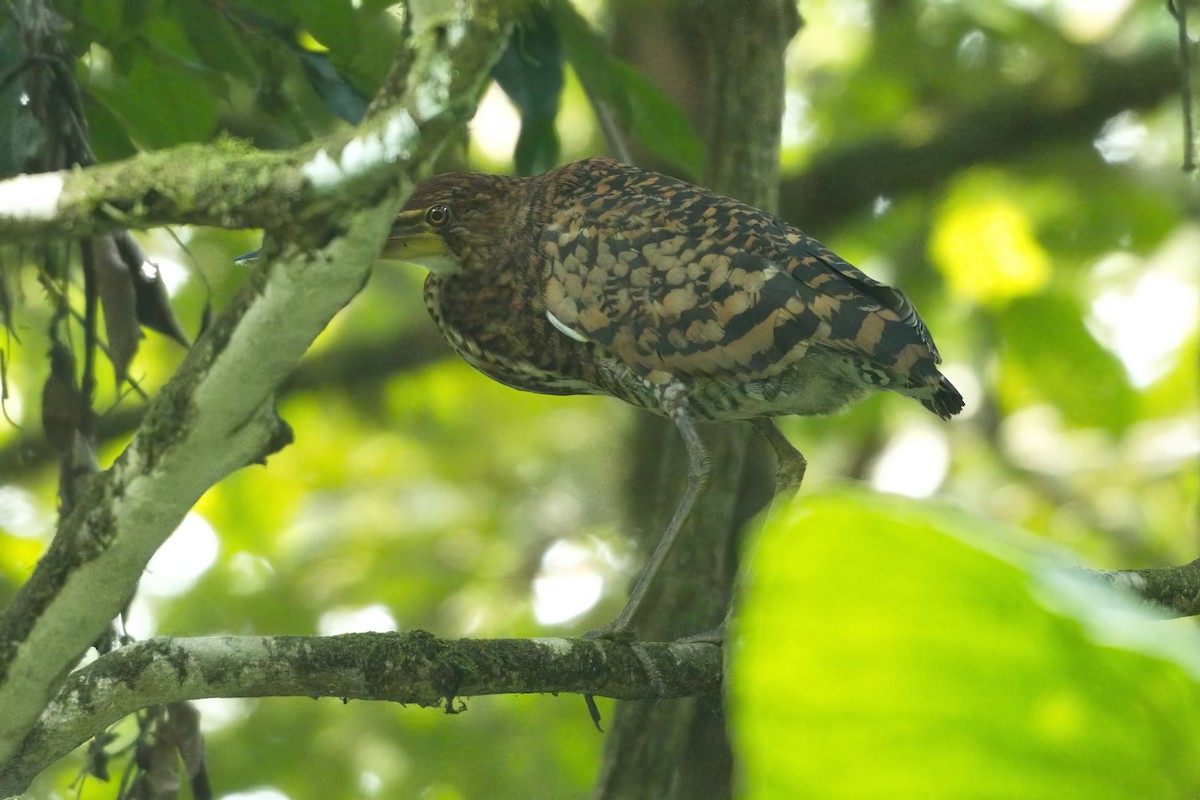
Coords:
pixel 713 636
pixel 613 633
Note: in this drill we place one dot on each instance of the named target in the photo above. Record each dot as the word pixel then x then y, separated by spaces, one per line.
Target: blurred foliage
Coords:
pixel 651 118
pixel 960 655
pixel 531 73
pixel 1059 275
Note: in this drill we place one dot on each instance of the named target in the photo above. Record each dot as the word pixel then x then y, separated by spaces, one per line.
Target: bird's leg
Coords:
pixel 699 472
pixel 789 472
pixel 789 463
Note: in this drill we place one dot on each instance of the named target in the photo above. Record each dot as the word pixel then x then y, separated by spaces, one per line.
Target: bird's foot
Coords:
pixel 617 631
pixel 613 632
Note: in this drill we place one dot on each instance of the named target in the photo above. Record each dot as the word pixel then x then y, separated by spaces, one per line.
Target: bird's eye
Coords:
pixel 437 216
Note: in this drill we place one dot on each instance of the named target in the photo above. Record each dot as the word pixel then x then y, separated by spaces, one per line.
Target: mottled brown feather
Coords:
pixel 666 281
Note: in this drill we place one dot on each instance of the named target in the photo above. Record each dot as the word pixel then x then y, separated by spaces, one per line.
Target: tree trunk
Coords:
pixel 729 58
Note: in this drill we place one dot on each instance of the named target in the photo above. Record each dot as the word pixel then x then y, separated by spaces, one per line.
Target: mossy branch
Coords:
pixel 296 194
pixel 415 667
pixel 217 414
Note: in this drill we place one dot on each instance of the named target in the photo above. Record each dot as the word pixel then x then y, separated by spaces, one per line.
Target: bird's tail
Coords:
pixel 945 401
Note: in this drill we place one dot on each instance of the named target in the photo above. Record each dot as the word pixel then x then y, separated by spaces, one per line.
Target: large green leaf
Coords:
pixel 891 649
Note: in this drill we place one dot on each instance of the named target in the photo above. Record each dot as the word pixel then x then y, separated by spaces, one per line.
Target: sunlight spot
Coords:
pixel 249 573
pixel 1163 445
pixel 984 242
pixel 140 620
pixel 798 127
pixel 21 515
pixel 1090 20
pixel 14 409
pixel 972 48
pixel 856 13
pixel 1146 324
pixel 217 713
pixel 174 274
pixel 913 463
pixel 575 123
pixel 31 196
pixel 1121 138
pixel 369 783
pixel 1035 439
pixel 568 584
pixel 374 618
pixel 265 793
pixel 496 125
pixel 183 558
pixel 881 206
pixel 1148 310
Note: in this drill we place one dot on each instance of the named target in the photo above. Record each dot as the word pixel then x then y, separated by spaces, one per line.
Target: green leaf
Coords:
pixel 531 73
pixel 367 62
pixel 892 649
pixel 656 121
pixel 109 136
pixel 215 40
pixel 1045 338
pixel 114 23
pixel 160 101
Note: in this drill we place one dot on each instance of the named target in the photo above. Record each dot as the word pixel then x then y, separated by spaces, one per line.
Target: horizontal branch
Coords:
pixel 298 194
pixel 415 667
pixel 227 185
pixel 1170 591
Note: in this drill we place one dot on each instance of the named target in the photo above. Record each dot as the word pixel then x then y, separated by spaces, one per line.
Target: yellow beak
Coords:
pixel 412 239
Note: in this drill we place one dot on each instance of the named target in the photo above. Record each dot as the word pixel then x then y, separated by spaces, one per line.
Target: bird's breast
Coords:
pixel 496 327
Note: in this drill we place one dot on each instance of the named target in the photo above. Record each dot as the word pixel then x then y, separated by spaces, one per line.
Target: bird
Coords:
pixel 598 277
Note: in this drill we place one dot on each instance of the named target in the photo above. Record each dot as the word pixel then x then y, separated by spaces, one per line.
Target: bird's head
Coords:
pixel 452 221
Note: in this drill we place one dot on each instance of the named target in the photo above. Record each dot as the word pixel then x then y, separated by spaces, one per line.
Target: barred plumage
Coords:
pixel 602 278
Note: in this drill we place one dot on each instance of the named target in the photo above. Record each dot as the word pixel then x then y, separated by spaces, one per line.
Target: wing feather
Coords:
pixel 670 277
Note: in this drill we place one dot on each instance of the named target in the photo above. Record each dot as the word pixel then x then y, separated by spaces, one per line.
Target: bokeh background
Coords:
pixel 1014 166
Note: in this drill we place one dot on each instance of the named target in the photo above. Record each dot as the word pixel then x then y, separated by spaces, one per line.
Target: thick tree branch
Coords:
pixel 217 414
pixel 412 667
pixel 682 749
pixel 844 182
pixel 228 184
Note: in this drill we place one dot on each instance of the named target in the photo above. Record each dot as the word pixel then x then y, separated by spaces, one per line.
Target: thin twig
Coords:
pixel 1178 10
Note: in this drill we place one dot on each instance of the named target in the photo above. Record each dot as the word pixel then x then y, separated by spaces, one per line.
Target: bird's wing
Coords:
pixel 803 248
pixel 706 286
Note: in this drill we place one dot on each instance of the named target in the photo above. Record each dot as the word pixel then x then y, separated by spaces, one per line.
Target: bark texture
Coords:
pixel 734 68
